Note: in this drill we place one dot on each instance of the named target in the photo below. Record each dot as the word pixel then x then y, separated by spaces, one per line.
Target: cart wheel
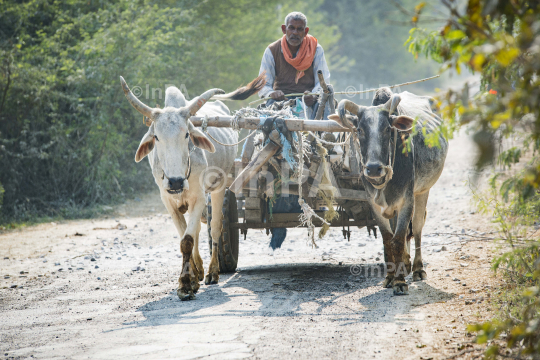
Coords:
pixel 229 240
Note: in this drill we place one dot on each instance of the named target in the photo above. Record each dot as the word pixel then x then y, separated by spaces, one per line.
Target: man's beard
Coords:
pixel 294 41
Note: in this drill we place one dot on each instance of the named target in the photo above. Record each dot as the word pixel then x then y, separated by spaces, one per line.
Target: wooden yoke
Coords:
pixel 253 123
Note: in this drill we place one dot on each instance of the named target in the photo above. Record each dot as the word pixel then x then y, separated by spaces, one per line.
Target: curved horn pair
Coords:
pixel 147 111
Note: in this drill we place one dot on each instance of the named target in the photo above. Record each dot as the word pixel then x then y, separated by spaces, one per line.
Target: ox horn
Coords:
pixel 347 105
pixel 200 100
pixel 392 104
pixel 136 103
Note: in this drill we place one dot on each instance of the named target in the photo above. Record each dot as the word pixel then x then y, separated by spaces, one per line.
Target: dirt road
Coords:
pixel 106 289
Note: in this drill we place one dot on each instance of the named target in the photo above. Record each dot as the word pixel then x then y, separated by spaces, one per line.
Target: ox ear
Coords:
pixel 146 145
pixel 337 119
pixel 199 139
pixel 334 117
pixel 403 123
pixel 351 118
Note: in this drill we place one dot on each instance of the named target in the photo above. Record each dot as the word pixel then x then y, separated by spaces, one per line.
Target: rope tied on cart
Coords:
pixel 262 114
pixel 204 130
pixel 307 211
pixel 288 140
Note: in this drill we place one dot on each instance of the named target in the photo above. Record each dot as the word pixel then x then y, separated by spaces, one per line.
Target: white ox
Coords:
pixel 184 172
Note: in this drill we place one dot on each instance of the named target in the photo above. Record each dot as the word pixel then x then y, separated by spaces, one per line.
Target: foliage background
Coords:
pixel 500 41
pixel 372 37
pixel 67 135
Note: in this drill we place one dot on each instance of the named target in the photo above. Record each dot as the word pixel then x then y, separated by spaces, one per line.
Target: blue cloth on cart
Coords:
pixel 283 204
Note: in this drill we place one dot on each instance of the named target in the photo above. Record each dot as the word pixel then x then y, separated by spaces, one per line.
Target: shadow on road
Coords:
pixel 293 290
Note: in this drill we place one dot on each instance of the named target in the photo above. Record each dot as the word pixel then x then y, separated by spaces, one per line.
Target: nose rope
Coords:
pixel 189 161
pixel 391 159
pixel 188 173
pixel 189 166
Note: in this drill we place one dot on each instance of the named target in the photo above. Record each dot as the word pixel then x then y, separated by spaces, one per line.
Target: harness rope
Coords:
pixel 189 162
pixel 307 211
pixel 188 170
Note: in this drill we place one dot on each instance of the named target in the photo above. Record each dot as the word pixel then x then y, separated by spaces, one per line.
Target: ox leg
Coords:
pixel 186 288
pixel 217 222
pixel 177 217
pixel 196 256
pixel 398 248
pixel 188 281
pixel 419 219
pixel 386 232
pixel 197 271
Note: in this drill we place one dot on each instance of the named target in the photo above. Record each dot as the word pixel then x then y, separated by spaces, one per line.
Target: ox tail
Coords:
pixel 410 234
pixel 244 92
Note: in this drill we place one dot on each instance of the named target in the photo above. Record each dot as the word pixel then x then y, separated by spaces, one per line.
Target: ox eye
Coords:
pixel 155 137
pixel 187 134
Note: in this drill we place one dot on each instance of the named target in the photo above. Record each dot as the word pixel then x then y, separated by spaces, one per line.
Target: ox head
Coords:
pixel 374 126
pixel 169 135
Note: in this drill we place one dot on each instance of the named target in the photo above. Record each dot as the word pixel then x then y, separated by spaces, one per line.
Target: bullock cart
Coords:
pixel 267 185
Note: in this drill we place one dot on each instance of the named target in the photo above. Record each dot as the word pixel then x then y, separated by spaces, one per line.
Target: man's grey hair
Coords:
pixel 296 15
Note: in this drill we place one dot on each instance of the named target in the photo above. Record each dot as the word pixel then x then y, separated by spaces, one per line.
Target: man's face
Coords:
pixel 295 31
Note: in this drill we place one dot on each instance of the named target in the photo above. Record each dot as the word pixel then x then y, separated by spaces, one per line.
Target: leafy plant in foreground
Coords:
pixel 500 41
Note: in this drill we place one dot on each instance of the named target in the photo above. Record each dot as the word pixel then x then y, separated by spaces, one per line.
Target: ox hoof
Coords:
pixel 198 264
pixel 419 275
pixel 195 285
pixel 211 279
pixel 388 281
pixel 408 267
pixel 184 296
pixel 400 287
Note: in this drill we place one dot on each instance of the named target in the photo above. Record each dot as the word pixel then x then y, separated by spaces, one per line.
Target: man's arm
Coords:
pixel 268 65
pixel 319 63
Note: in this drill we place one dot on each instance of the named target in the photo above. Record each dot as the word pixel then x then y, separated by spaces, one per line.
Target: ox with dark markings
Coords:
pixel 397 186
pixel 184 172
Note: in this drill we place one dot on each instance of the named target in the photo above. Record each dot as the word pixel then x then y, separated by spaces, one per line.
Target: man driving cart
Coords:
pixel 291 64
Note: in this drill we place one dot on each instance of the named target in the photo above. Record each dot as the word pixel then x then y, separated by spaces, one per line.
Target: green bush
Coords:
pixel 67 134
pixel 518 321
pixel 1 195
pixel 499 41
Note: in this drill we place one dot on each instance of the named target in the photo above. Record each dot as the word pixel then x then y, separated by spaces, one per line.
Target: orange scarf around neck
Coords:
pixel 304 57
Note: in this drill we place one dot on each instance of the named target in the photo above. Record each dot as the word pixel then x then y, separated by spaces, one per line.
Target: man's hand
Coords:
pixel 277 95
pixel 309 99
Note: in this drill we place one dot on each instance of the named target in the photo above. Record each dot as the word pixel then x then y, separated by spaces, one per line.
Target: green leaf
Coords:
pixel 455 35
